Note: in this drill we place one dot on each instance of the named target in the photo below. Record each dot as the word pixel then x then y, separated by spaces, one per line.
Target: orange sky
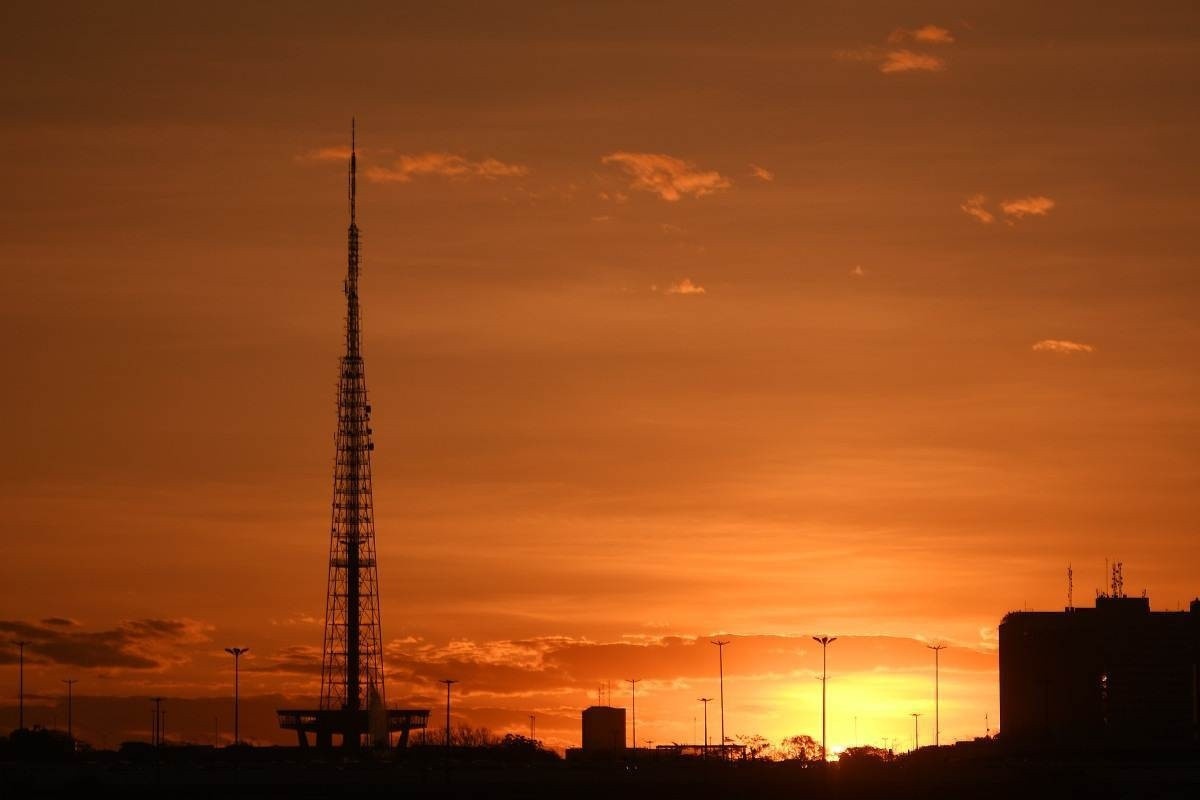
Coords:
pixel 804 318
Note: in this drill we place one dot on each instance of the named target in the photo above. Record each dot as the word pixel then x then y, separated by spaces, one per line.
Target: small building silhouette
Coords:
pixel 603 729
pixel 1117 674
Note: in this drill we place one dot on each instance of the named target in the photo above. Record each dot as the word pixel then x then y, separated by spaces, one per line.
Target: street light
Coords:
pixel 916 732
pixel 706 701
pixel 21 685
pixel 721 667
pixel 448 682
pixel 633 682
pixel 937 712
pixel 236 652
pixel 70 730
pixel 824 641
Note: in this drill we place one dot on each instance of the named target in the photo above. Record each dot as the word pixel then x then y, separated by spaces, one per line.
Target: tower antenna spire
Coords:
pixel 353 167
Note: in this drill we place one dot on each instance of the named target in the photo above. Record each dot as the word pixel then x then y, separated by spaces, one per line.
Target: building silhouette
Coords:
pixel 1117 674
pixel 603 729
pixel 353 703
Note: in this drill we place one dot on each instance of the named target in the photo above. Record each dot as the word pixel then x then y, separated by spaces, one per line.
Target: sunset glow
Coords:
pixel 678 323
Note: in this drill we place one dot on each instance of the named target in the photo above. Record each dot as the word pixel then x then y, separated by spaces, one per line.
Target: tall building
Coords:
pixel 353 702
pixel 603 729
pixel 1116 674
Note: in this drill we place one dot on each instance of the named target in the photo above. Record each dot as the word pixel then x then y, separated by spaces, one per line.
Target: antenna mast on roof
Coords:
pixel 1070 587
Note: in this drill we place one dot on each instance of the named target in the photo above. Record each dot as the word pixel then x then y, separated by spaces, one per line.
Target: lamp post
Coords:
pixel 824 641
pixel 937 700
pixel 236 652
pixel 449 682
pixel 21 685
pixel 70 728
pixel 633 682
pixel 706 701
pixel 533 727
pixel 721 673
pixel 916 732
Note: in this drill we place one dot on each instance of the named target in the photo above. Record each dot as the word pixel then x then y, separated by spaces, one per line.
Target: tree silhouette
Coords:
pixel 756 746
pixel 800 747
pixel 866 755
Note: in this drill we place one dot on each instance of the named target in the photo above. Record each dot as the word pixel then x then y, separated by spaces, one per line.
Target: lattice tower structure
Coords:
pixel 352 660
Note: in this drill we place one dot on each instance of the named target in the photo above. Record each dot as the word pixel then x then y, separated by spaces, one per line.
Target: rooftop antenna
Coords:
pixel 1070 588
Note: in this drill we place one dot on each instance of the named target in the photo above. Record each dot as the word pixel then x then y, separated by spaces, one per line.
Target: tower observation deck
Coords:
pixel 353 700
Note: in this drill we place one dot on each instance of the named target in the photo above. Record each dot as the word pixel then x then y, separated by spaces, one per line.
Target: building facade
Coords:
pixel 1117 674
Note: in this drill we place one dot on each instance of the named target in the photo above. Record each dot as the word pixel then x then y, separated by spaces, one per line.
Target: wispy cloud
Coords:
pixel 762 173
pixel 894 57
pixel 445 165
pixel 974 207
pixel 686 286
pixel 1063 347
pixel 336 153
pixel 910 61
pixel 134 644
pixel 669 177
pixel 926 34
pixel 1033 206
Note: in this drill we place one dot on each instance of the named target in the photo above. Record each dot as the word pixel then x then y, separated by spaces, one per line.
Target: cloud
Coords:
pixel 134 644
pixel 669 177
pixel 336 153
pixel 446 165
pixel 974 207
pixel 294 660
pixel 686 286
pixel 909 61
pixel 762 173
pixel 1063 347
pixel 1032 206
pixel 901 59
pixel 926 34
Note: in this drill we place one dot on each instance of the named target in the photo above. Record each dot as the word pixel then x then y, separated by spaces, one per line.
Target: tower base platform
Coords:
pixel 350 725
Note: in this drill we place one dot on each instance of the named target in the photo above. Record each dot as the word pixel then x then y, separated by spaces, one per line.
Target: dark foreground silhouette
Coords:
pixel 522 770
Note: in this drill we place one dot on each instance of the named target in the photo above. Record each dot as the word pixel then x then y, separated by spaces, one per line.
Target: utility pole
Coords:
pixel 533 727
pixel 21 685
pixel 916 732
pixel 70 682
pixel 449 682
pixel 721 668
pixel 824 641
pixel 706 701
pixel 937 712
pixel 633 682
pixel 237 653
